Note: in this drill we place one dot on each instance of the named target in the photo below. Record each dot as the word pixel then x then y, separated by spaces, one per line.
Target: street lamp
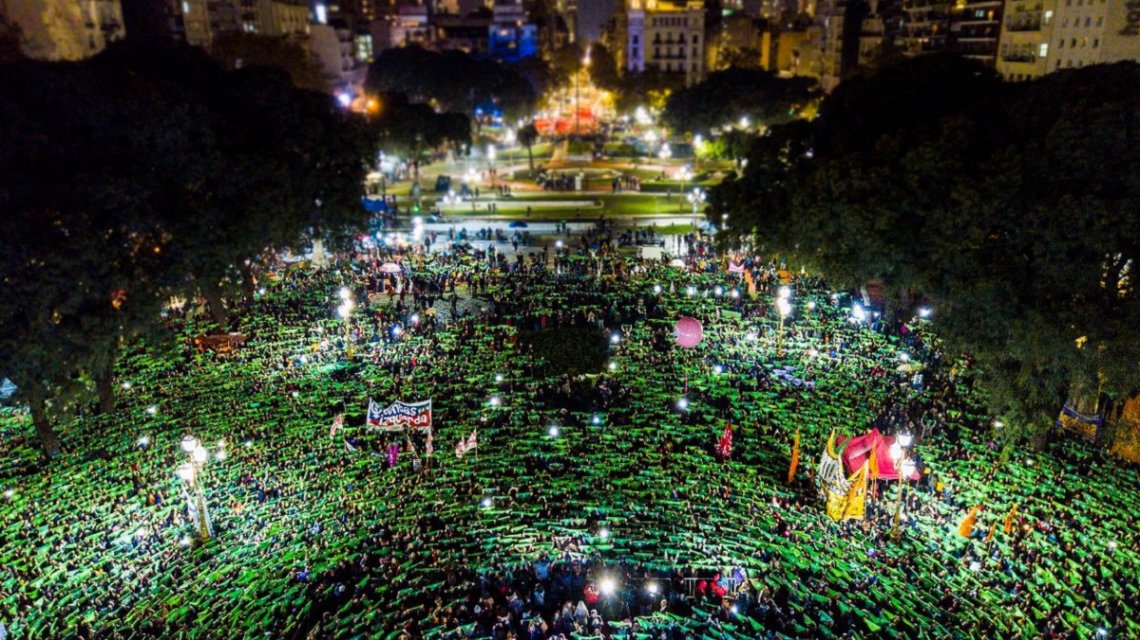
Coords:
pixel 577 94
pixel 697 197
pixel 491 162
pixel 683 175
pixel 191 474
pixel 785 309
pixel 904 466
pixel 345 313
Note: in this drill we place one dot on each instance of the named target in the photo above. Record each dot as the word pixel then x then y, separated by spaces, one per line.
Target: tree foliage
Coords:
pixel 244 50
pixel 726 96
pixel 144 174
pixel 1014 209
pixel 411 129
pixel 451 81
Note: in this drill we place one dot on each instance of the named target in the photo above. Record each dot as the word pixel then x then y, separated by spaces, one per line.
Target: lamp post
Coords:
pixel 697 197
pixel 345 313
pixel 577 94
pixel 683 175
pixel 784 307
pixel 191 474
pixel 897 452
pixel 491 163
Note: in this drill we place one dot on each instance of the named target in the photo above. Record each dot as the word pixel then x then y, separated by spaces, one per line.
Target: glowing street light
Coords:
pixel 904 466
pixel 785 309
pixel 191 474
pixel 608 586
pixel 683 175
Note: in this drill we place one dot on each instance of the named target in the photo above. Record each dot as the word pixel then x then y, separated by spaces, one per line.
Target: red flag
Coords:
pixel 724 447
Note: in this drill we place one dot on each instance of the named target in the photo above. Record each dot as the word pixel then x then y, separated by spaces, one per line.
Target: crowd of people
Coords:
pixel 592 504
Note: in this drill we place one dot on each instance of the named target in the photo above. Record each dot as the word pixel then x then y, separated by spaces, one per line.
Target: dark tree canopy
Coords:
pixel 451 81
pixel 244 50
pixel 410 129
pixel 144 174
pixel 726 96
pixel 1013 209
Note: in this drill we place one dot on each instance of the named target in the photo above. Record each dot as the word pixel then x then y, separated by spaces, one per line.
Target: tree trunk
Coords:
pixel 248 283
pixel 218 310
pixel 530 157
pixel 104 385
pixel 49 439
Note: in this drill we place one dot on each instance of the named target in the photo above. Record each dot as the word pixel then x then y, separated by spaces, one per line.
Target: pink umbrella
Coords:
pixel 688 332
pixel 390 267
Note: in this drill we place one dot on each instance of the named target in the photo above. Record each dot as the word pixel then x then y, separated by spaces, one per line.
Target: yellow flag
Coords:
pixel 795 457
pixel 873 465
pixel 966 528
pixel 990 535
pixel 1009 520
pixel 832 482
pixel 856 495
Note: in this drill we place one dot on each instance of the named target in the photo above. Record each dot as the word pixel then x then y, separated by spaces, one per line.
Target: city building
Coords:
pixel 1093 31
pixel 925 27
pixel 65 29
pixel 785 51
pixel 189 21
pixel 282 17
pixel 408 24
pixel 463 33
pixel 974 29
pixel 334 47
pixel 849 32
pixel 1027 28
pixel 968 27
pixel 511 36
pixel 663 36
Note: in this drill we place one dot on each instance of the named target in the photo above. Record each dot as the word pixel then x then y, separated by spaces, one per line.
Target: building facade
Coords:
pixel 1027 28
pixel 334 47
pixel 970 28
pixel 665 37
pixel 65 29
pixel 511 36
pixel 1092 32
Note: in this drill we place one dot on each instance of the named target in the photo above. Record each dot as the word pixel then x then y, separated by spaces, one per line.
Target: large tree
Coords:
pixel 245 50
pixel 145 173
pixel 1012 208
pixel 727 96
pixel 451 81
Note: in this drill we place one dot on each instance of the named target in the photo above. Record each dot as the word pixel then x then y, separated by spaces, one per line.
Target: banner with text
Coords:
pixel 400 415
